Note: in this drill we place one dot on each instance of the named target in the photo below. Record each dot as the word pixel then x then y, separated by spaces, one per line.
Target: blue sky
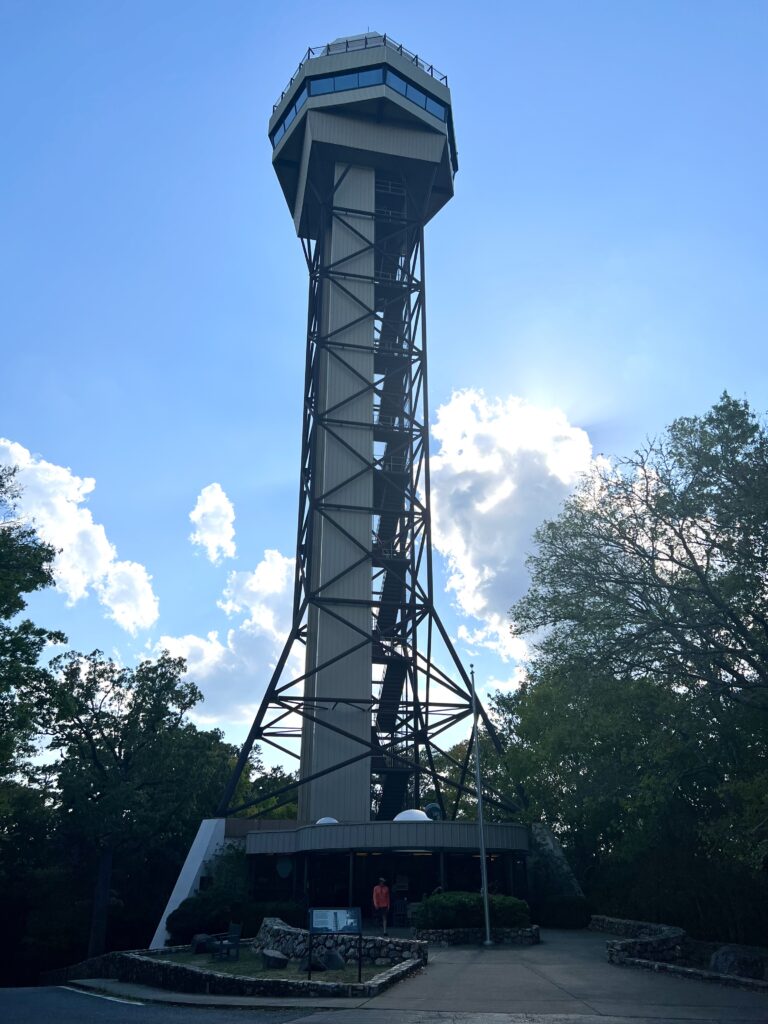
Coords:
pixel 601 270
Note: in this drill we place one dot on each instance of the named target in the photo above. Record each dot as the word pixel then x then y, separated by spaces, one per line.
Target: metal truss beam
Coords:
pixel 413 700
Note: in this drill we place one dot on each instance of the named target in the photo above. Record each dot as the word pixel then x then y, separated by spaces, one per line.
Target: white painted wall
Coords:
pixel 210 836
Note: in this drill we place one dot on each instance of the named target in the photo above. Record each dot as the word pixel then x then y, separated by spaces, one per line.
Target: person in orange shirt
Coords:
pixel 381 902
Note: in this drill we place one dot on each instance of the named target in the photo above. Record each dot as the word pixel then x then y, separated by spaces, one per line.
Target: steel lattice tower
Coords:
pixel 364 149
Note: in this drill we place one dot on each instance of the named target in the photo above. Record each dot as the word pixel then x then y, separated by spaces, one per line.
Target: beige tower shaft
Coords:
pixel 342 483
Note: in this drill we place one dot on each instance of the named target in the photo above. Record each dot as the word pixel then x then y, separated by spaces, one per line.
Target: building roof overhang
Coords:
pixel 380 836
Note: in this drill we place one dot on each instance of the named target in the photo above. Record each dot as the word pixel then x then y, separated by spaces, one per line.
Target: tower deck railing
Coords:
pixel 365 42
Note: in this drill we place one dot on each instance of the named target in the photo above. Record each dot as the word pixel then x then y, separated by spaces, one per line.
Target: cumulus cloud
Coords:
pixel 213 518
pixel 256 592
pixel 503 466
pixel 53 497
pixel 126 590
pixel 508 685
pixel 233 669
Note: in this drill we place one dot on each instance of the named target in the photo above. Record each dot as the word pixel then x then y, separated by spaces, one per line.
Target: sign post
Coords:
pixel 480 824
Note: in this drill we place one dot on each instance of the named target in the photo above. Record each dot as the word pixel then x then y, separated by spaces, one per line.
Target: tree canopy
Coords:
pixel 657 567
pixel 641 732
pixel 656 793
pixel 133 776
pixel 25 566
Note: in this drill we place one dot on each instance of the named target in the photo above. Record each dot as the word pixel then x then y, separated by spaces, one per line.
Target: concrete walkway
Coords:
pixel 565 980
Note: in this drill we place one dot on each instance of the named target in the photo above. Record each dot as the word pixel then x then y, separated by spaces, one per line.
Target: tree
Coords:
pixel 132 773
pixel 657 793
pixel 641 733
pixel 26 565
pixel 657 567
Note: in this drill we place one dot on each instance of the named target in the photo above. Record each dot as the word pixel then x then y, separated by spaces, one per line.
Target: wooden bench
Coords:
pixel 221 946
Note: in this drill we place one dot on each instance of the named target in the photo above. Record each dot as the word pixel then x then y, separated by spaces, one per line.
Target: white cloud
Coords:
pixel 248 591
pixel 514 682
pixel 503 466
pixel 126 590
pixel 53 497
pixel 203 654
pixel 233 670
pixel 493 635
pixel 214 517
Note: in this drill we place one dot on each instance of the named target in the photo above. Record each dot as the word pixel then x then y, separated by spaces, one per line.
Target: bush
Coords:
pixel 465 910
pixel 211 911
pixel 565 912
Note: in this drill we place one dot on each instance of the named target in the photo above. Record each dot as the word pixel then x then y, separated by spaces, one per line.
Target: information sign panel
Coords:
pixel 335 920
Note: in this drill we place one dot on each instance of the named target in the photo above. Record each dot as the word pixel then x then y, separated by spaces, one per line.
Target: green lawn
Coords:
pixel 249 966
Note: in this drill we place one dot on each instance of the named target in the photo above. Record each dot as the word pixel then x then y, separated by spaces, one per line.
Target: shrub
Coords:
pixel 465 910
pixel 211 911
pixel 564 912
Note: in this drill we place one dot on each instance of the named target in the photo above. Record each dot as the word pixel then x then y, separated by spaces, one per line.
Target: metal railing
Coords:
pixel 365 42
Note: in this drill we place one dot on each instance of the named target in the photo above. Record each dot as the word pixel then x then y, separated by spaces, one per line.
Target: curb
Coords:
pixel 166 997
pixel 697 973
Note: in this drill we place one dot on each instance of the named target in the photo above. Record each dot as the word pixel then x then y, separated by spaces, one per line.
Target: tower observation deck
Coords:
pixel 365 154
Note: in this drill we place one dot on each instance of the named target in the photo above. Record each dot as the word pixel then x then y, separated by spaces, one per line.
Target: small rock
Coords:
pixel 271 958
pixel 334 961
pixel 317 964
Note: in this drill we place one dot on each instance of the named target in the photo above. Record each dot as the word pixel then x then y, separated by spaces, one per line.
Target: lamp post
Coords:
pixel 479 786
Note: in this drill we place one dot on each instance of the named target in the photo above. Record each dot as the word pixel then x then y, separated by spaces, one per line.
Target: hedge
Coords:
pixel 211 911
pixel 465 910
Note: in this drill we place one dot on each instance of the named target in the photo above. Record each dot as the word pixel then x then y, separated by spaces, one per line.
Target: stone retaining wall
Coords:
pixel 730 980
pixel 380 950
pixel 146 967
pixel 162 974
pixel 643 939
pixel 476 936
pixel 104 966
pixel 658 947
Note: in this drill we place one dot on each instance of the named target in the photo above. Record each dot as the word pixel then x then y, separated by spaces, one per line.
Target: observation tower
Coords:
pixel 364 150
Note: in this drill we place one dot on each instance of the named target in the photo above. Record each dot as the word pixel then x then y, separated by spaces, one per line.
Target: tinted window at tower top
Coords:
pixel 416 95
pixel 343 82
pixel 373 77
pixel 359 80
pixel 396 82
pixel 318 86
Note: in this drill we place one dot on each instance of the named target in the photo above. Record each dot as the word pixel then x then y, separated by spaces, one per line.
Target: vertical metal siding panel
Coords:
pixel 345 794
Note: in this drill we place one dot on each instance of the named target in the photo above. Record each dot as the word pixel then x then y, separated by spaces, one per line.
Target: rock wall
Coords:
pixel 146 967
pixel 476 936
pixel 379 950
pixel 641 939
pixel 660 948
pixel 104 966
